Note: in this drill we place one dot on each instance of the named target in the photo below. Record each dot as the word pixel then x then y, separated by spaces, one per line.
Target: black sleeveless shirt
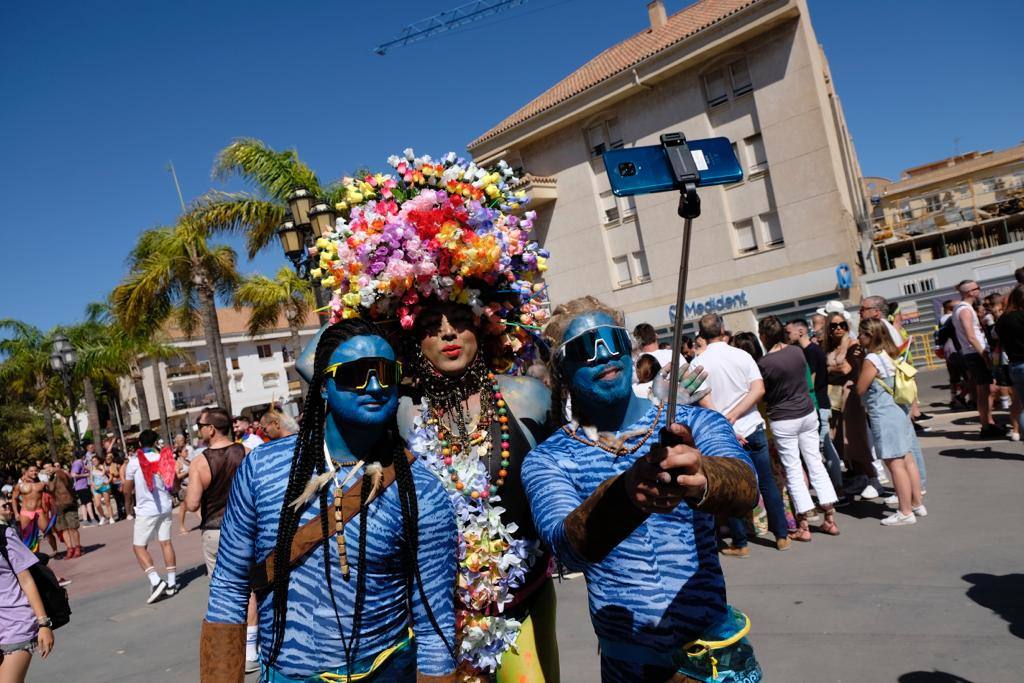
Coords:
pixel 223 462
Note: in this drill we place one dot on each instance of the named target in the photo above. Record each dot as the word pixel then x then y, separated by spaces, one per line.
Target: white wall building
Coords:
pixel 260 370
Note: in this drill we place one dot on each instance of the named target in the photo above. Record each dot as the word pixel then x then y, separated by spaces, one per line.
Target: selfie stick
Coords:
pixel 687 176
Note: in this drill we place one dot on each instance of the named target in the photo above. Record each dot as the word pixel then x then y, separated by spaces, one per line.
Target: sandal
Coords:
pixel 829 525
pixel 802 532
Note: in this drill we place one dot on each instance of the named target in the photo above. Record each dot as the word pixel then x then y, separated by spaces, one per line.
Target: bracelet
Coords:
pixel 44 622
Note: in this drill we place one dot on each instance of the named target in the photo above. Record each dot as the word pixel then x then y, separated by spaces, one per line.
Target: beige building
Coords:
pixel 950 220
pixel 749 70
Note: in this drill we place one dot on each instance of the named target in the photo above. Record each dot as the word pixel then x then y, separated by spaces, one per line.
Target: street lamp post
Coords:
pixel 307 219
pixel 63 359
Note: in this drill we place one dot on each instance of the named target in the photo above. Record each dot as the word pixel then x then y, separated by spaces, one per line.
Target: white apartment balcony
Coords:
pixel 187 371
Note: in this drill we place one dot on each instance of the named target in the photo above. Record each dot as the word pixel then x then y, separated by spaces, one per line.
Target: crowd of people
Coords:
pixel 50 502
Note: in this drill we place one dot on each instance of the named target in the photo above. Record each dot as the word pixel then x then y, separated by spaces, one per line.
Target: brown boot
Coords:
pixel 222 653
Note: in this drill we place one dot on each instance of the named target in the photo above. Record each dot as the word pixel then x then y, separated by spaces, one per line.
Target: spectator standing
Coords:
pixel 647 368
pixel 819 328
pixel 277 424
pixel 890 426
pixel 24 626
pixel 210 476
pixel 736 387
pixel 66 510
pixel 150 476
pixel 794 424
pixel 974 351
pixel 798 334
pixel 647 340
pixel 80 475
pixel 244 433
pixel 1010 328
pixel 99 481
pixel 947 343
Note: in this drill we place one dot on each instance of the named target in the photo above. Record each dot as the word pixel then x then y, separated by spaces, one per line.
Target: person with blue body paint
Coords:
pixel 636 516
pixel 337 605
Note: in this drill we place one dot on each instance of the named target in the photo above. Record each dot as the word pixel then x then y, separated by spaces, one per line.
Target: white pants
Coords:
pixel 796 438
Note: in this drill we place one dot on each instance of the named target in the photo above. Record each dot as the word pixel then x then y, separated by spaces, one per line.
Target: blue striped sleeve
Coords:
pixel 229 585
pixel 713 434
pixel 438 546
pixel 552 497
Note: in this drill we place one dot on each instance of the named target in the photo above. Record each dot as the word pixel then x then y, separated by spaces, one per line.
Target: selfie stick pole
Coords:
pixel 687 178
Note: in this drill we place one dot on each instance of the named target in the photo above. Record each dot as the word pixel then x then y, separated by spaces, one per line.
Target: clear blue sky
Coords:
pixel 99 96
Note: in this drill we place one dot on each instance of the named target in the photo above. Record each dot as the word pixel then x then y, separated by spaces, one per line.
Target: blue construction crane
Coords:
pixel 447 20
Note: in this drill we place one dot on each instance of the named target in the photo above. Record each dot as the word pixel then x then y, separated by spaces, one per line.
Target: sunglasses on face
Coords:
pixel 355 374
pixel 583 347
pixel 838 326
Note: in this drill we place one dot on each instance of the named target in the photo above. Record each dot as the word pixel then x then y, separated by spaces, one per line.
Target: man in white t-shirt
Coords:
pixel 150 474
pixel 974 353
pixel 736 387
pixel 244 434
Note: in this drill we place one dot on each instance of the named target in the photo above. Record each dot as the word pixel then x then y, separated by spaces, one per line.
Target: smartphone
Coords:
pixel 642 170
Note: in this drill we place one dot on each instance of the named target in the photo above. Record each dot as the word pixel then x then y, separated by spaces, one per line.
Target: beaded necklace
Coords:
pixel 619 448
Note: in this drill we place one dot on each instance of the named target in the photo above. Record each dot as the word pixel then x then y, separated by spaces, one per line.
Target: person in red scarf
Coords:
pixel 150 474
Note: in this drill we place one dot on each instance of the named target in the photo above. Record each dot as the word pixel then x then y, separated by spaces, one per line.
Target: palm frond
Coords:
pixel 238 212
pixel 275 173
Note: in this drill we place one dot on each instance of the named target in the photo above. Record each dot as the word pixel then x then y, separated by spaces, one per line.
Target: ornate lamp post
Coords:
pixel 63 359
pixel 307 219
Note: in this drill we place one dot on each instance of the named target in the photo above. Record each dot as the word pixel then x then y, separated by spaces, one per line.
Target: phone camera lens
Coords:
pixel 627 169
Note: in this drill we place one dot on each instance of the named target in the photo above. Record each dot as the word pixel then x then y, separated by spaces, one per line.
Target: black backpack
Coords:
pixel 53 595
pixel 947 332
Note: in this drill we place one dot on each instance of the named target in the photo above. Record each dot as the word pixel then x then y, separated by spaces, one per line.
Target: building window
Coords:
pixel 271 380
pixel 615 208
pixel 239 384
pixel 771 229
pixel 264 351
pixel 756 157
pixel 603 136
pixel 232 352
pixel 740 73
pixel 641 273
pixel 746 240
pixel 932 203
pixel 622 275
pixel 727 82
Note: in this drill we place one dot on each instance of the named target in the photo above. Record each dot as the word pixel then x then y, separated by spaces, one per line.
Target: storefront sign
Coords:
pixel 713 304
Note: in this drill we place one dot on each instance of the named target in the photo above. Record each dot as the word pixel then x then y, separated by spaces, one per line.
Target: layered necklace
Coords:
pixel 459 434
pixel 616 445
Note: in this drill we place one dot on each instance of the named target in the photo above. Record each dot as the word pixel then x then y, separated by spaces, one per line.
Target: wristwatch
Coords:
pixel 44 622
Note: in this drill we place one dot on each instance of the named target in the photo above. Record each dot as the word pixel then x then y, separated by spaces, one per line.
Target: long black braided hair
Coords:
pixel 307 462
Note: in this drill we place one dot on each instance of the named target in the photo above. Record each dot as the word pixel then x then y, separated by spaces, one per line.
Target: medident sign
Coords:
pixel 713 304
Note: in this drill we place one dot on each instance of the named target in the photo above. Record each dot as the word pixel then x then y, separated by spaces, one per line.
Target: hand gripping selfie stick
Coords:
pixel 687 177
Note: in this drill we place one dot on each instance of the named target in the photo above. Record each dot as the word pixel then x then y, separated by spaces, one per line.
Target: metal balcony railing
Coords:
pixel 188 369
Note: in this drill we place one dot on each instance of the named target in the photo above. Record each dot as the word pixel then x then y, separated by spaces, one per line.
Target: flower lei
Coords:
pixel 439 230
pixel 492 562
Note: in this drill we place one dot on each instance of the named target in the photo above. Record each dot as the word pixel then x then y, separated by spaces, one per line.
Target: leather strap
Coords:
pixel 310 534
pixel 222 653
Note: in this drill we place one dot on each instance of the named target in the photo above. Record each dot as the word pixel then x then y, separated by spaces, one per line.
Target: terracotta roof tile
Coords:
pixel 618 58
pixel 234 322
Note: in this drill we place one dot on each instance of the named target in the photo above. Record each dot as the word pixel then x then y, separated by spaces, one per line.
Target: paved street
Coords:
pixel 938 602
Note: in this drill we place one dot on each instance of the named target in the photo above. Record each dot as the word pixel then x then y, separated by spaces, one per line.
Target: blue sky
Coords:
pixel 99 96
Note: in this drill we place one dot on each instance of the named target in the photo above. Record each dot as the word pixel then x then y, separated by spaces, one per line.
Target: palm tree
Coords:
pixel 25 370
pixel 108 351
pixel 287 294
pixel 176 271
pixel 274 174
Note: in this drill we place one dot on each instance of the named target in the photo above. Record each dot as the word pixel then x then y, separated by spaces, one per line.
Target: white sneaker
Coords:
pixel 1014 436
pixel 252 666
pixel 892 501
pixel 158 590
pixel 921 511
pixel 869 493
pixel 898 519
pixel 171 589
pixel 131 516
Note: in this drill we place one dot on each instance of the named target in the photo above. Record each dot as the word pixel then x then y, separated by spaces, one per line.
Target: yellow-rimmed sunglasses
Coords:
pixel 355 374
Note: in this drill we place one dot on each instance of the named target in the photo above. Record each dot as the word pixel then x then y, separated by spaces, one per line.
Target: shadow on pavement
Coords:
pixel 191 574
pixel 86 549
pixel 985 453
pixel 863 509
pixel 931 677
pixel 1004 595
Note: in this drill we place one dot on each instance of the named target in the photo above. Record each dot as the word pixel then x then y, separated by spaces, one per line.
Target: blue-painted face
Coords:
pixel 371 405
pixel 600 372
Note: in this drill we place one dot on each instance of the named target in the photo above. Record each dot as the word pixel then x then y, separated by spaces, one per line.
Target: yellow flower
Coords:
pixel 351 299
pixel 520 194
pixel 542 264
pixel 348 313
pixel 329 282
pixel 341 206
pixel 492 191
pixel 316 273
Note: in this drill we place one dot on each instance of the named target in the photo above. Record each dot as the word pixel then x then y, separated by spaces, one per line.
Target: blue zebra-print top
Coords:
pixel 312 643
pixel 663 585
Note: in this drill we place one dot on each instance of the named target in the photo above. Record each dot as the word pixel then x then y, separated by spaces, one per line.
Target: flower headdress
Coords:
pixel 440 230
